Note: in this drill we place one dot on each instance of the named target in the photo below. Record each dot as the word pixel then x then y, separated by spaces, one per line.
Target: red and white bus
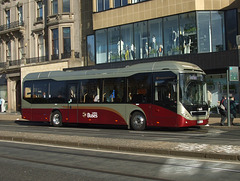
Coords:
pixel 156 94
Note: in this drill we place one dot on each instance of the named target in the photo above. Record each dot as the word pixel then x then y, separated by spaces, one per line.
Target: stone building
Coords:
pixel 40 35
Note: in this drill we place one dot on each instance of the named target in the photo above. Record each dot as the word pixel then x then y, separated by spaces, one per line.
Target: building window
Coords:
pixel 8 18
pixel 66 6
pixel 140 40
pixel 218 36
pixel 8 50
pixel 20 15
pixel 67 40
pixel 40 46
pixel 55 44
pixel 155 38
pixel 102 5
pixel 39 11
pixel 231 29
pixel 90 50
pixel 204 32
pixel 211 37
pixel 101 46
pixel 171 35
pixel 20 48
pixel 115 45
pixel 128 52
pixel 188 33
pixel 54 6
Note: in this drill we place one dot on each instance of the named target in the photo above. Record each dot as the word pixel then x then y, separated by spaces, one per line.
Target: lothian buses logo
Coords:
pixel 90 115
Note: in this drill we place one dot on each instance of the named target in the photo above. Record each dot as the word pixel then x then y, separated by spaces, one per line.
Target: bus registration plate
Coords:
pixel 199 121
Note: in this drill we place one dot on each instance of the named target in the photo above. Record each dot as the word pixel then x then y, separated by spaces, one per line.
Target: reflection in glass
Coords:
pixel 231 28
pixel 171 35
pixel 155 38
pixel 66 6
pixel 127 39
pixel 101 46
pixel 204 32
pixel 188 33
pixel 115 45
pixel 141 40
pixel 90 50
pixel 218 37
pixel 66 40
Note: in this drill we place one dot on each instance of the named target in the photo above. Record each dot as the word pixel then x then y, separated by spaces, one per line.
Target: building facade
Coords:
pixel 199 31
pixel 40 35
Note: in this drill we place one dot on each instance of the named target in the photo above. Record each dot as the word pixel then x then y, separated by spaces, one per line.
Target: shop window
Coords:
pixel 128 52
pixel 115 45
pixel 188 33
pixel 141 40
pixel 155 38
pixel 171 35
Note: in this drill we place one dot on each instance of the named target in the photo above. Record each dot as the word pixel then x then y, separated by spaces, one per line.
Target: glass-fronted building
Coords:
pixel 154 30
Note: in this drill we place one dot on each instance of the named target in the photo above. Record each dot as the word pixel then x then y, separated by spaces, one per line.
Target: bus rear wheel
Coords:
pixel 56 119
pixel 138 121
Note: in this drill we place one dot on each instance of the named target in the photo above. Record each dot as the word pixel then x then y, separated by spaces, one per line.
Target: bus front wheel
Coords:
pixel 138 121
pixel 56 119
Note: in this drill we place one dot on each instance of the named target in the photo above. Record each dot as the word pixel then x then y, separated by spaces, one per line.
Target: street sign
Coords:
pixel 233 73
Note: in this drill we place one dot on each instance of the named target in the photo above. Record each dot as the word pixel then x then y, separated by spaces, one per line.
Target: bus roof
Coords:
pixel 175 66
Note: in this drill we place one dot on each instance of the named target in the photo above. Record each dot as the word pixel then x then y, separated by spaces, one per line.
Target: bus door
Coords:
pixel 165 99
pixel 72 103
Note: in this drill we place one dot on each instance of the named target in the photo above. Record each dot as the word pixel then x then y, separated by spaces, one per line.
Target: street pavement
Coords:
pixel 197 150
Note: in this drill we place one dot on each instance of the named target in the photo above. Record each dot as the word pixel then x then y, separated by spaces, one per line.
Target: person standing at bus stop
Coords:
pixel 223 110
pixel 233 110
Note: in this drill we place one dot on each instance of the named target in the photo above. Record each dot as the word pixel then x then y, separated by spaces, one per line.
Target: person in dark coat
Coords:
pixel 223 110
pixel 233 110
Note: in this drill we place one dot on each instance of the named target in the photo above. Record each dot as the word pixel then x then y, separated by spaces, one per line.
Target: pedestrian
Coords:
pixel 233 110
pixel 223 110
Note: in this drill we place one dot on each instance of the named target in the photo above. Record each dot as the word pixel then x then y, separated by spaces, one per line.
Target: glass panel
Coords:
pixel 117 3
pixel 66 5
pixel 188 33
pixel 66 40
pixel 124 2
pixel 57 92
pixel 155 38
pixel 27 91
pixel 171 36
pixel 90 50
pixel 40 46
pixel 90 91
pixel 204 32
pixel 101 46
pixel 113 90
pixel 231 29
pixel 141 40
pixel 55 42
pixel 40 92
pixel 165 91
pixel 127 40
pixel 139 88
pixel 115 45
pixel 99 5
pixel 39 9
pixel 218 36
pixel 20 14
pixel 193 89
pixel 106 4
pixel 54 6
